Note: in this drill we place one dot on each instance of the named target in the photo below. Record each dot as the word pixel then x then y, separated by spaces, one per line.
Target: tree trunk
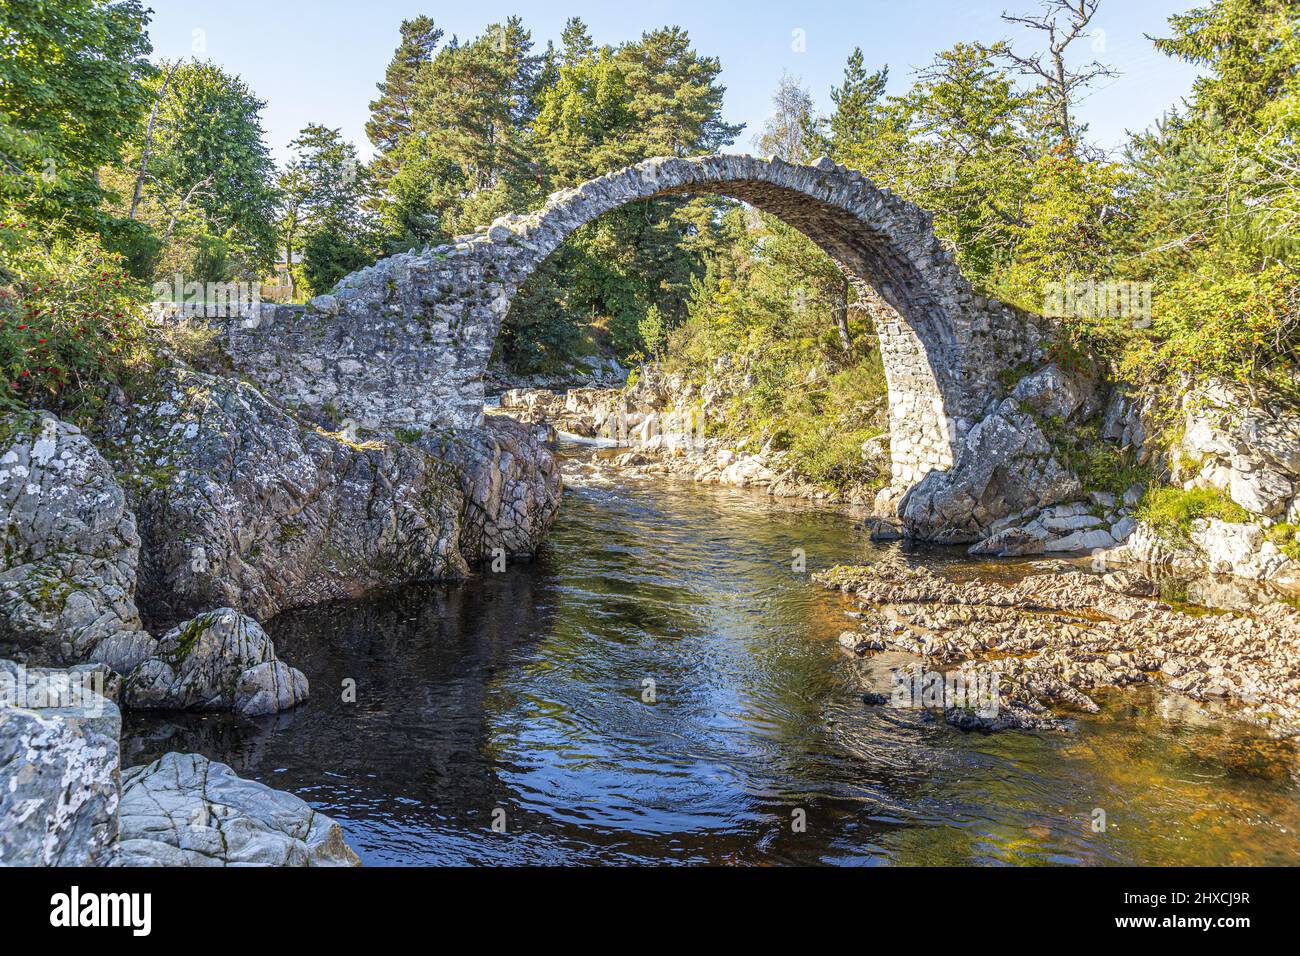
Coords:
pixel 148 141
pixel 842 317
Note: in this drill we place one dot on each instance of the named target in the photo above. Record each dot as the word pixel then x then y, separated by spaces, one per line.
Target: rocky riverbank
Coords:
pixel 65 800
pixel 199 507
pixel 1013 480
pixel 1051 638
pixel 661 422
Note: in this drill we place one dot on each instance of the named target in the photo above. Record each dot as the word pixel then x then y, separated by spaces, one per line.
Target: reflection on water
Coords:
pixel 530 692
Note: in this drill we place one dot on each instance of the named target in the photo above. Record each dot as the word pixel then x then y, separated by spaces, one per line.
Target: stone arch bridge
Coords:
pixel 405 342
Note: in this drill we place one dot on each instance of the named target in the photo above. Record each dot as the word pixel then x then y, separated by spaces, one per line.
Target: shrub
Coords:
pixel 1236 327
pixel 1103 467
pixel 1171 511
pixel 71 324
pixel 832 457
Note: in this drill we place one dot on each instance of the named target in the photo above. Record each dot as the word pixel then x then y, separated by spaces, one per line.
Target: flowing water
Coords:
pixel 524 699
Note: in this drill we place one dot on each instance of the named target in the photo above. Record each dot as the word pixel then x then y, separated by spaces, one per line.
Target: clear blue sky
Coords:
pixel 318 60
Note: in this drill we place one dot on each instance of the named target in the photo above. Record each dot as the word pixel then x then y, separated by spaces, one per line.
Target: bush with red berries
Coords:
pixel 72 323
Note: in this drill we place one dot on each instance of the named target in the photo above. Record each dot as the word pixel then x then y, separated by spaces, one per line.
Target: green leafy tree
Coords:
pixel 323 193
pixel 609 107
pixel 71 94
pixel 1217 204
pixel 969 155
pixel 859 115
pixel 1249 49
pixel 210 167
pixel 467 157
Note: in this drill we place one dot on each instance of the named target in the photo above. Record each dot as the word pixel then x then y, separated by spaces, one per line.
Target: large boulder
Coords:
pixel 1005 467
pixel 1247 450
pixel 220 660
pixel 243 505
pixel 511 484
pixel 185 810
pixel 1052 392
pixel 58 769
pixel 68 570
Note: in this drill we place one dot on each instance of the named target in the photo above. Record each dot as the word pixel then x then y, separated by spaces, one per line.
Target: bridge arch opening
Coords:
pixel 405 343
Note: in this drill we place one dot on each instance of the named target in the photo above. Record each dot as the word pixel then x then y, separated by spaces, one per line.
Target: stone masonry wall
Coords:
pixel 405 342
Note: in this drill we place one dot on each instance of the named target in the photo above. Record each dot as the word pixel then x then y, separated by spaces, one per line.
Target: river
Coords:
pixel 660 685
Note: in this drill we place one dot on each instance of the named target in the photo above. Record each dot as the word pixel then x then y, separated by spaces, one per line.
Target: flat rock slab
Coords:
pixel 186 810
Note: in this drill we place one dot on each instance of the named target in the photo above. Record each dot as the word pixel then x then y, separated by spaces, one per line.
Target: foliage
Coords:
pixel 1230 325
pixel 1286 535
pixel 209 172
pixel 461 154
pixel 1172 511
pixel 1103 467
pixel 71 93
pixel 71 325
pixel 1070 214
pixel 1216 200
pixel 323 192
pixel 539 338
pixel 769 316
pixel 608 107
pixel 391 112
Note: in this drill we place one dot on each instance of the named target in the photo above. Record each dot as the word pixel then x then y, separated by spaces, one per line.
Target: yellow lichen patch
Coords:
pixel 341 436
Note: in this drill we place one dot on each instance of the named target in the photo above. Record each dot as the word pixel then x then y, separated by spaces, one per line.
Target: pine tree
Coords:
pixel 391 116
pixel 857 103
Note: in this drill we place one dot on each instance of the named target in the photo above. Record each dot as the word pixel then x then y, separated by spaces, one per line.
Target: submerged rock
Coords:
pixel 68 569
pixel 185 810
pixel 221 660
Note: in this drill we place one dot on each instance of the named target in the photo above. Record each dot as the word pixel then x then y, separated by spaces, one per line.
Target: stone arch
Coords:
pixel 405 342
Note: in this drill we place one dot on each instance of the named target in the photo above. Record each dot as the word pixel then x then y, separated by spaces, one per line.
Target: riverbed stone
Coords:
pixel 220 660
pixel 510 483
pixel 186 810
pixel 1011 542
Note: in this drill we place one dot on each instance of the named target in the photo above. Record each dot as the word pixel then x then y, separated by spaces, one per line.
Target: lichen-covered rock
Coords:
pixel 1005 467
pixel 221 660
pixel 185 810
pixel 1052 392
pixel 1250 452
pixel 511 484
pixel 243 505
pixel 1241 549
pixel 58 778
pixel 68 570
